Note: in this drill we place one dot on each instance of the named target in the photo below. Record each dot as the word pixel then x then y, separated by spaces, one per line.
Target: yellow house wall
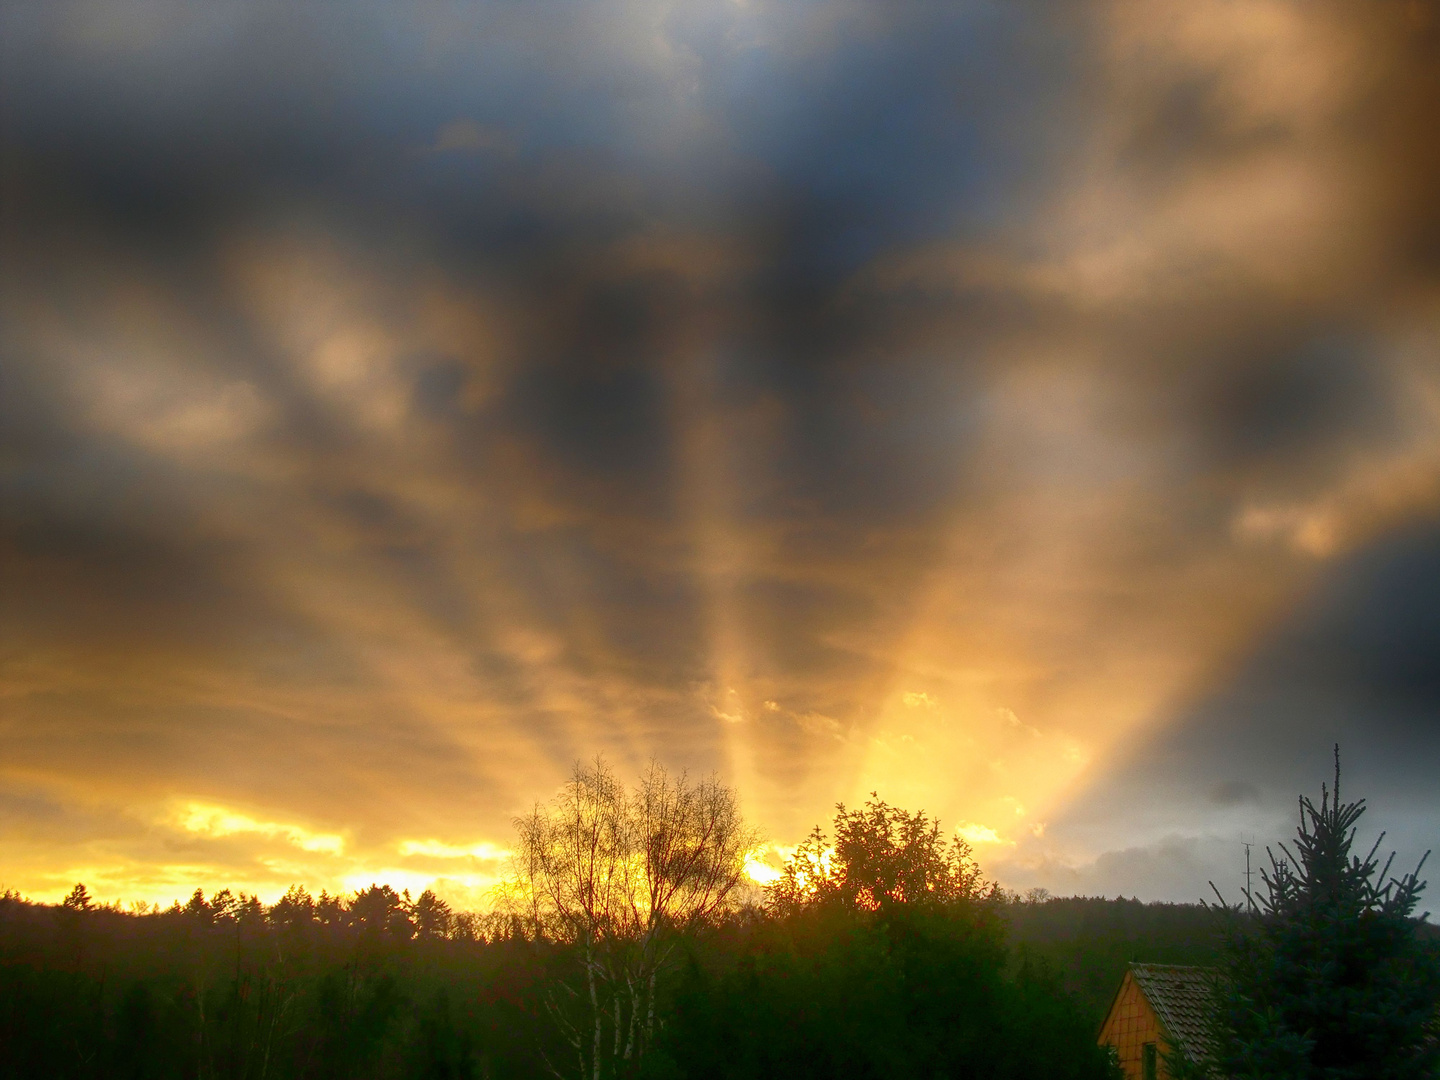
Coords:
pixel 1130 1025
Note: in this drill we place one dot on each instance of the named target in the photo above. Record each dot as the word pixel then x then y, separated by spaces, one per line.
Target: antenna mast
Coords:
pixel 1249 900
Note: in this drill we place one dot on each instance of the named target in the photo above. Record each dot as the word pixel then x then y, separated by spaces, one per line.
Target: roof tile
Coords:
pixel 1184 1000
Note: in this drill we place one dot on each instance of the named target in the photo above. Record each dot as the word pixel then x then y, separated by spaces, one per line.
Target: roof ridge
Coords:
pixel 1177 966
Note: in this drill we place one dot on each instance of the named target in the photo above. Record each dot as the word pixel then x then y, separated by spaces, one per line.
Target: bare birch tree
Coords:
pixel 618 875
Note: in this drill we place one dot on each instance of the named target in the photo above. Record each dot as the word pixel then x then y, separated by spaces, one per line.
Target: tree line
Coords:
pixel 627 943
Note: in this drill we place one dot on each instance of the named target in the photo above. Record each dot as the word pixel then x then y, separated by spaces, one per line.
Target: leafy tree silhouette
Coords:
pixel 882 856
pixel 619 876
pixel 1330 979
pixel 881 956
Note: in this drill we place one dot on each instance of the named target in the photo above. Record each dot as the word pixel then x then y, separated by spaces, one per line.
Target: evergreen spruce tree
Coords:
pixel 1329 979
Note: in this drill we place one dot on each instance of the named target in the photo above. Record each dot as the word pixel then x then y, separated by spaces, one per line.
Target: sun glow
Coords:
pixel 809 867
pixel 760 871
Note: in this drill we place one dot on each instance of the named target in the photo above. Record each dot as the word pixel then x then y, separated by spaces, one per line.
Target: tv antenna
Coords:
pixel 1248 842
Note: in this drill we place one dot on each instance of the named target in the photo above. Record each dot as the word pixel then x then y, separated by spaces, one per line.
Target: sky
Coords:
pixel 1026 411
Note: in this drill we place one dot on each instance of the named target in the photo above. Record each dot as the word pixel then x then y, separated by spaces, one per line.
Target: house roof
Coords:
pixel 1184 1000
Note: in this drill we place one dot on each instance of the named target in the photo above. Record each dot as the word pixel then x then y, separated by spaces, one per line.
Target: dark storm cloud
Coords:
pixel 1291 401
pixel 1354 665
pixel 1358 662
pixel 405 401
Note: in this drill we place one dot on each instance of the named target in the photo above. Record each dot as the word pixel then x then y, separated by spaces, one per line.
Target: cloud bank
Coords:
pixel 959 401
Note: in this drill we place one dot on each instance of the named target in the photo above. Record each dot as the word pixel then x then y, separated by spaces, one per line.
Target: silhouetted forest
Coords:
pixel 379 986
pixel 627 944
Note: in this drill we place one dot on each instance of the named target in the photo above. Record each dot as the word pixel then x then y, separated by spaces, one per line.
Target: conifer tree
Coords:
pixel 78 898
pixel 1330 980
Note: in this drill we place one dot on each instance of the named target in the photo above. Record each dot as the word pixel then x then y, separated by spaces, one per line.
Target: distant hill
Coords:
pixel 1090 940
